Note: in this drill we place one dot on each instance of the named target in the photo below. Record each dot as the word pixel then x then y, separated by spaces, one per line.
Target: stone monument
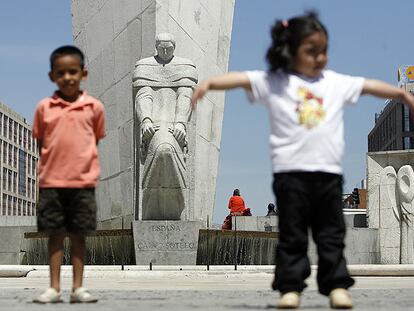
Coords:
pixel 163 84
pixel 114 35
pixel 390 204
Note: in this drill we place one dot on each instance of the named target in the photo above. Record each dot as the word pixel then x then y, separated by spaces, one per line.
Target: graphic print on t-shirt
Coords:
pixel 309 108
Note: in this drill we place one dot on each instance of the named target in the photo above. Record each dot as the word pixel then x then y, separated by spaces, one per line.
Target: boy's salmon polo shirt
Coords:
pixel 69 133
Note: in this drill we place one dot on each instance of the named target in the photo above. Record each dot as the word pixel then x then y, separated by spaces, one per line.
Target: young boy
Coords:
pixel 68 126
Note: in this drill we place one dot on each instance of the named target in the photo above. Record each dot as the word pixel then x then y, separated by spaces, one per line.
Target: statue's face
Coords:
pixel 165 50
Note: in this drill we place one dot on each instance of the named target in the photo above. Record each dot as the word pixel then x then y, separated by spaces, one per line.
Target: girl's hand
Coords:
pixel 199 93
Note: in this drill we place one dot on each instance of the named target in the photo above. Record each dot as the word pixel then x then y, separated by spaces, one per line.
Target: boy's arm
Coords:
pixel 225 81
pixel 385 90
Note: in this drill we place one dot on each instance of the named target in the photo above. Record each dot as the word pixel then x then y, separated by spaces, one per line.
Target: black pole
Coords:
pixel 150 266
pixel 208 252
pixel 235 242
pixel 123 248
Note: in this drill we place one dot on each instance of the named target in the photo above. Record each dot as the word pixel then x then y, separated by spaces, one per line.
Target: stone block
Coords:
pixel 125 134
pixel 148 30
pixel 390 255
pixel 109 154
pixel 388 219
pixel 95 75
pixel 166 242
pixel 82 12
pixel 397 160
pixel 122 56
pixel 111 110
pixel 99 30
pixel 108 68
pixel 376 162
pixel 123 91
pixel 389 237
pixel 255 223
pixel 124 11
pixel 12 247
pixel 103 204
pixel 116 200
pixel 134 35
pixel 127 192
pixel 205 122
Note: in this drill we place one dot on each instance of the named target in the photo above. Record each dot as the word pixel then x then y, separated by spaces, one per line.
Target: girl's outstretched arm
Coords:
pixel 385 90
pixel 225 81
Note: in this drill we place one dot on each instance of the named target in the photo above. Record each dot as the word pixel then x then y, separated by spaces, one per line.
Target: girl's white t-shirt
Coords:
pixel 306 117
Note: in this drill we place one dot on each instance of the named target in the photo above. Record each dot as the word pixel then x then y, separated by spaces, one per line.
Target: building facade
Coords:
pixel 18 162
pixel 394 126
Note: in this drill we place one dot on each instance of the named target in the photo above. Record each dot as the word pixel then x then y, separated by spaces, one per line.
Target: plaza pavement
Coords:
pixel 193 288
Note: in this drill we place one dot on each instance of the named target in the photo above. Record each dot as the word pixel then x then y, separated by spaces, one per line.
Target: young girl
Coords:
pixel 305 102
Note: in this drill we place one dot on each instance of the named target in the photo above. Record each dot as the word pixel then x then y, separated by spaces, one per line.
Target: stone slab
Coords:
pixel 256 223
pixel 166 242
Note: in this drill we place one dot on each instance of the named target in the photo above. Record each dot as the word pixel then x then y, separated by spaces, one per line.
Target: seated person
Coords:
pixel 271 210
pixel 236 204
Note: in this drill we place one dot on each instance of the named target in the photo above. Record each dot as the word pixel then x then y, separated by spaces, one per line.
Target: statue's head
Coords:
pixel 165 45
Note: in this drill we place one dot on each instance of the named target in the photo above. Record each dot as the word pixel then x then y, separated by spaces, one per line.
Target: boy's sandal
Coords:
pixel 82 295
pixel 50 295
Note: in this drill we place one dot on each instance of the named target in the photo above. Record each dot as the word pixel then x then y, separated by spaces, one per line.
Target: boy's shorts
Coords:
pixel 66 210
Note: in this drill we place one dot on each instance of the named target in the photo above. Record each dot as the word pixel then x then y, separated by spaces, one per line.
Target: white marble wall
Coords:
pixel 114 34
pixel 382 203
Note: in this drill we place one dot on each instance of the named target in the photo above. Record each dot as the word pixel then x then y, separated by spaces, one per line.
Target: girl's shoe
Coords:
pixel 50 295
pixel 289 300
pixel 339 298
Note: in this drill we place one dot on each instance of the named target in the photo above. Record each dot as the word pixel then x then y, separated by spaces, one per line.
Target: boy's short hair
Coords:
pixel 67 50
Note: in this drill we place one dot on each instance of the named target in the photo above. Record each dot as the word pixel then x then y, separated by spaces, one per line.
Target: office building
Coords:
pixel 18 162
pixel 394 126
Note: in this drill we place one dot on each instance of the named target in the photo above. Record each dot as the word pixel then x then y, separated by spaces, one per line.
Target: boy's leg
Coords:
pixel 328 230
pixel 55 249
pixel 292 263
pixel 51 219
pixel 82 218
pixel 77 253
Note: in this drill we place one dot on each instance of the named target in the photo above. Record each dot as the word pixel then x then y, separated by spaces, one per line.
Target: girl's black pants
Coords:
pixel 310 200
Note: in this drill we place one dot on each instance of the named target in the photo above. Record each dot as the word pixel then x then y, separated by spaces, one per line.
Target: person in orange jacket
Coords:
pixel 236 204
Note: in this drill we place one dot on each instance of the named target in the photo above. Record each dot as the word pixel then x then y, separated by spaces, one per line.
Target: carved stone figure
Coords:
pixel 164 85
pixel 397 190
pixel 406 196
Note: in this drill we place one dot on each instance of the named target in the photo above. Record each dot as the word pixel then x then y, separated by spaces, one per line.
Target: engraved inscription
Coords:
pixel 166 228
pixel 175 246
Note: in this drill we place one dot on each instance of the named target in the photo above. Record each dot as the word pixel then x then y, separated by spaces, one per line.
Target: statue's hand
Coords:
pixel 179 133
pixel 148 130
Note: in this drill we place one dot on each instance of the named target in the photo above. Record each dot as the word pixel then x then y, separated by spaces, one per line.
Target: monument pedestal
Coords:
pixel 166 242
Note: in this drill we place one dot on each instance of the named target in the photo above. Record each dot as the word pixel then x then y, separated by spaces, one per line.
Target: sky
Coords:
pixel 367 38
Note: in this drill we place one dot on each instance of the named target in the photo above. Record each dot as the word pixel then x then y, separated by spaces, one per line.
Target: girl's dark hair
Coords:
pixel 67 50
pixel 287 35
pixel 236 192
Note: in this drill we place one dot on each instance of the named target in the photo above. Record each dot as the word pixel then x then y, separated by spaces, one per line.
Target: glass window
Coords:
pixel 5 126
pixel 4 205
pixel 9 180
pixel 9 205
pixel 10 129
pixel 22 172
pixel 10 162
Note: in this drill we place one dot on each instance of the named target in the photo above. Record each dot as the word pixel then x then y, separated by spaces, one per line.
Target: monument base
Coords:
pixel 166 242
